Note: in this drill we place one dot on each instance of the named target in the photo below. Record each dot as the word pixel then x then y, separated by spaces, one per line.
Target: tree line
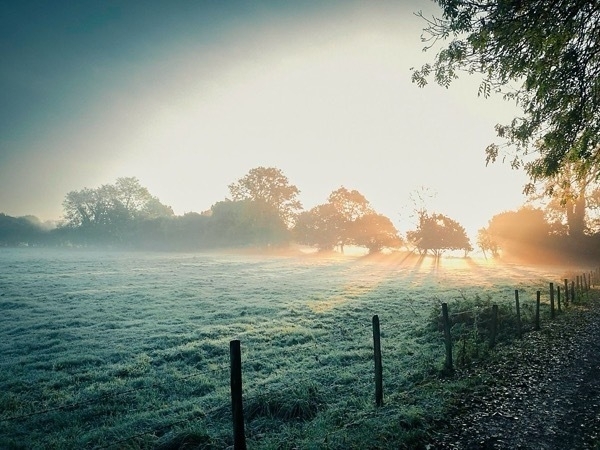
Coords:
pixel 263 211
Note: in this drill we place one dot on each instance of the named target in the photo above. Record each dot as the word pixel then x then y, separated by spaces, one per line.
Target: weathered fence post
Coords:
pixel 447 338
pixel 235 356
pixel 494 329
pixel 572 291
pixel 566 293
pixel 552 300
pixel 537 310
pixel 378 365
pixel 558 298
pixel 519 329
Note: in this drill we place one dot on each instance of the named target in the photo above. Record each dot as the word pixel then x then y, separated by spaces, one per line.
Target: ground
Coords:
pixel 542 392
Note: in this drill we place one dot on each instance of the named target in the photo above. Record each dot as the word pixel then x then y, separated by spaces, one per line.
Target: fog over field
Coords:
pixel 81 327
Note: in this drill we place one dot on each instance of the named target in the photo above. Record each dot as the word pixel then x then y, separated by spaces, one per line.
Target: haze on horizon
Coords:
pixel 189 96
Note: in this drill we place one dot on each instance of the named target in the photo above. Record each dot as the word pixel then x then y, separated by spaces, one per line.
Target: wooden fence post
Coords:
pixel 447 337
pixel 558 298
pixel 552 300
pixel 235 356
pixel 378 365
pixel 589 282
pixel 494 329
pixel 566 293
pixel 519 329
pixel 537 310
pixel 572 291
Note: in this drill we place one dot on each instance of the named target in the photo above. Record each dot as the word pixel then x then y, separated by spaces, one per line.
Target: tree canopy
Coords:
pixel 112 204
pixel 438 233
pixel 515 233
pixel 270 187
pixel 346 218
pixel 550 52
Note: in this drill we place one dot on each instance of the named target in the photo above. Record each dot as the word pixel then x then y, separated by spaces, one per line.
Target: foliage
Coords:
pixel 437 233
pixel 105 213
pixel 486 242
pixel 348 206
pixel 20 230
pixel 549 50
pixel 471 324
pixel 346 218
pixel 318 227
pixel 375 232
pixel 517 232
pixel 268 185
pixel 246 222
pixel 574 194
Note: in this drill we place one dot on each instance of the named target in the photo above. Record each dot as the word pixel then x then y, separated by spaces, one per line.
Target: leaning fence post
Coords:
pixel 447 338
pixel 494 329
pixel 552 300
pixel 378 366
pixel 537 310
pixel 235 356
pixel 519 330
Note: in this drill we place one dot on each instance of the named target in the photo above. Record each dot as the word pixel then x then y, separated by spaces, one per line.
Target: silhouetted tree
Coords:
pixel 572 193
pixel 318 227
pixel 106 214
pixel 270 190
pixel 375 232
pixel 21 231
pixel 348 206
pixel 486 242
pixel 246 222
pixel 438 233
pixel 519 233
pixel 549 51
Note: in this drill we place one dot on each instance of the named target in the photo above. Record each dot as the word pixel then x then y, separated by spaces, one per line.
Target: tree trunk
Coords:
pixel 576 215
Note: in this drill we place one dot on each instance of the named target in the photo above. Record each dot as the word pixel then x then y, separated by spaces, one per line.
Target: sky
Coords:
pixel 188 96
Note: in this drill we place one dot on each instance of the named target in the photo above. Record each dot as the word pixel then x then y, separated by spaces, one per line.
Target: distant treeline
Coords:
pixel 264 212
pixel 224 228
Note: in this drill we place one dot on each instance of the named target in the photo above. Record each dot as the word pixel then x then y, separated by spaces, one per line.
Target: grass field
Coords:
pixel 131 350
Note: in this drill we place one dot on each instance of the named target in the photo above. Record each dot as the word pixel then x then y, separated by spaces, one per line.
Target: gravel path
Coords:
pixel 542 393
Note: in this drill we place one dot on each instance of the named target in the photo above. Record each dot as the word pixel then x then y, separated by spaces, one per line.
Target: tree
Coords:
pixel 15 231
pixel 348 206
pixel 319 227
pixel 486 242
pixel 572 192
pixel 438 233
pixel 375 232
pixel 520 232
pixel 269 188
pixel 243 222
pixel 107 212
pixel 550 50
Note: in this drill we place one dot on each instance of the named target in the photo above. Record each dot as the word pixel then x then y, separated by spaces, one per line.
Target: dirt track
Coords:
pixel 541 393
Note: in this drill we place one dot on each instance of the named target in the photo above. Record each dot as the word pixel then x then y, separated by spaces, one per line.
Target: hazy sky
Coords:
pixel 188 96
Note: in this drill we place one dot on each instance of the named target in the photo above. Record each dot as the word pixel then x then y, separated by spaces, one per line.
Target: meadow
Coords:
pixel 103 349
